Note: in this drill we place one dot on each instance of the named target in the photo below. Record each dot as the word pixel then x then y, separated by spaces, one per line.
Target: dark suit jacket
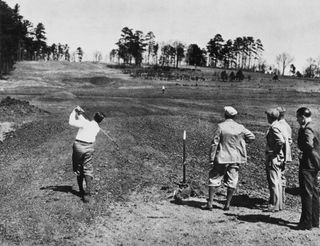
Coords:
pixel 309 144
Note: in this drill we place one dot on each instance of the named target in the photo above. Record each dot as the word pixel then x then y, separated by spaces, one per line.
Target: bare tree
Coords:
pixel 317 72
pixel 311 69
pixel 97 56
pixel 73 56
pixel 283 60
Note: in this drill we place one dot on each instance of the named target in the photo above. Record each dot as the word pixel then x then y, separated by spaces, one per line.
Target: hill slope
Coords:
pixel 135 178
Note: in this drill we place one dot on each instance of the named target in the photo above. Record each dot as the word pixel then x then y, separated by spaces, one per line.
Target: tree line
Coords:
pixel 313 68
pixel 240 53
pixel 20 40
pixel 284 60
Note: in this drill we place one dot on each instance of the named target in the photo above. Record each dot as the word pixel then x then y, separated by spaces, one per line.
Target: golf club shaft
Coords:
pixel 106 134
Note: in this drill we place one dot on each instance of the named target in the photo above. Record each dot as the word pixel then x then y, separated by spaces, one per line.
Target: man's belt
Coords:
pixel 80 141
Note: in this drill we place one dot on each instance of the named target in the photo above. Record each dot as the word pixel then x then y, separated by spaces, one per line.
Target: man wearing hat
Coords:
pixel 287 134
pixel 227 153
pixel 309 144
pixel 274 160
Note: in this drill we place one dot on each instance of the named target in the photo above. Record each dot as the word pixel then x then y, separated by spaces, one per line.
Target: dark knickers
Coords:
pixel 82 158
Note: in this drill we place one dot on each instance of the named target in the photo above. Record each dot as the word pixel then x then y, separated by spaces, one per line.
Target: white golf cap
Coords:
pixel 230 111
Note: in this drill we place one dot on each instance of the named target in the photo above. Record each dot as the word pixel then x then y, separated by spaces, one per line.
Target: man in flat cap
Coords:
pixel 287 134
pixel 227 153
pixel 274 160
pixel 309 144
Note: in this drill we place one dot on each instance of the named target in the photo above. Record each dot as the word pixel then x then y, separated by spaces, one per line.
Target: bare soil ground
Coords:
pixel 134 184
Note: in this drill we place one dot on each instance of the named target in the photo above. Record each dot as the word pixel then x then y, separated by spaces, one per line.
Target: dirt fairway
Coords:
pixel 135 177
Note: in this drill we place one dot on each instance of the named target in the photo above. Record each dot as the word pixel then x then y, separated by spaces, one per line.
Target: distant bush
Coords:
pixel 224 76
pixel 162 72
pixel 232 76
pixel 275 77
pixel 118 66
pixel 299 75
pixel 239 75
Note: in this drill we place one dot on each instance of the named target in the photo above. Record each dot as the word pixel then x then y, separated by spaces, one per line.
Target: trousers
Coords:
pixel 309 198
pixel 82 158
pixel 274 185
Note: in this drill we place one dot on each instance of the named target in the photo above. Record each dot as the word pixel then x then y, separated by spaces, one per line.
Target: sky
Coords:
pixel 290 26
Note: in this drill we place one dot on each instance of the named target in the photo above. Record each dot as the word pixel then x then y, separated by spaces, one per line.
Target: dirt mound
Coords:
pixel 95 80
pixel 101 80
pixel 15 107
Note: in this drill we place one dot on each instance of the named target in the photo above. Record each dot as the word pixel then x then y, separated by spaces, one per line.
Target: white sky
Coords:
pixel 95 25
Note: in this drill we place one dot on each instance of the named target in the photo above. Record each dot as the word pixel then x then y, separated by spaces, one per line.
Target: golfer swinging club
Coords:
pixel 83 148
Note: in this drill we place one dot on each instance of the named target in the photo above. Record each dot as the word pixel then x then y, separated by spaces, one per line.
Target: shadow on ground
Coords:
pixel 295 191
pixel 62 188
pixel 237 201
pixel 255 218
pixel 246 201
pixel 192 203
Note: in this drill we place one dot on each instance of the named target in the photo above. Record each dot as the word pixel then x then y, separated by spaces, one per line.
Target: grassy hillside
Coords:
pixel 39 195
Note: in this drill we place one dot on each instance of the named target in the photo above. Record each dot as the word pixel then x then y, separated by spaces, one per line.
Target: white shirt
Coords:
pixel 287 133
pixel 286 130
pixel 88 130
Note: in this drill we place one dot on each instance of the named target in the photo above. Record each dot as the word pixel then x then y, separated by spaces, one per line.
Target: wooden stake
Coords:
pixel 184 156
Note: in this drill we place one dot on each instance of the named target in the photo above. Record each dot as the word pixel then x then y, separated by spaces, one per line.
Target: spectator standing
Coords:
pixel 274 160
pixel 227 154
pixel 287 134
pixel 309 144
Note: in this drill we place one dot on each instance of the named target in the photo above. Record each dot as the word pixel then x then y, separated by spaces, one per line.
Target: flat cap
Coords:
pixel 273 113
pixel 281 110
pixel 230 111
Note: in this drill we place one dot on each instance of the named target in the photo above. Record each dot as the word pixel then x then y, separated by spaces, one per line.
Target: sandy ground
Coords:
pixel 165 223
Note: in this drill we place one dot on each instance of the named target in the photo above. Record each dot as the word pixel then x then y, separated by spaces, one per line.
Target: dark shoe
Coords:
pixel 86 198
pixel 226 208
pixel 80 184
pixel 207 207
pixel 303 228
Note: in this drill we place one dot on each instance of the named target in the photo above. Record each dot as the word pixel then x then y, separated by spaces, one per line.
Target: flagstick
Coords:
pixel 184 156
